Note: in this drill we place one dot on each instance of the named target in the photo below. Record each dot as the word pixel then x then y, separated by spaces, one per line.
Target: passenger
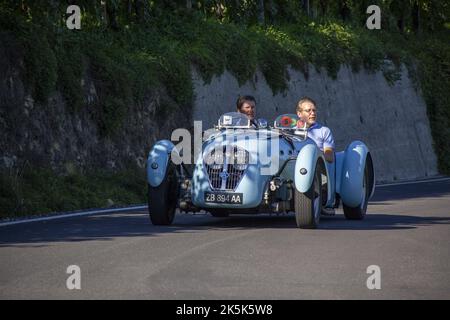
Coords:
pixel 247 106
pixel 322 136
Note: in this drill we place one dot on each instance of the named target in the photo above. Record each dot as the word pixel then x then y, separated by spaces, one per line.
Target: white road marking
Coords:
pixel 412 182
pixel 70 215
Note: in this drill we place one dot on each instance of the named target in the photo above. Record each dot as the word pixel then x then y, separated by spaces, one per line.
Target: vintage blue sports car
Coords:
pixel 249 167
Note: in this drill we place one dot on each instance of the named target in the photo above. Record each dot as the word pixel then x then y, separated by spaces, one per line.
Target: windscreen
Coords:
pixel 234 120
pixel 289 121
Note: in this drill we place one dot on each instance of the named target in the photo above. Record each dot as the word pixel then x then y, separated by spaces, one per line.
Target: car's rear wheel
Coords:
pixel 359 212
pixel 163 198
pixel 309 204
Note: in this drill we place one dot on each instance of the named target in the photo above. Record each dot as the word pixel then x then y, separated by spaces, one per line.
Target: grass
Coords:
pixel 36 191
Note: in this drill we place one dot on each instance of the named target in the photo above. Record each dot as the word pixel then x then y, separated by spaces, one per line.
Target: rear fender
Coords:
pixel 350 166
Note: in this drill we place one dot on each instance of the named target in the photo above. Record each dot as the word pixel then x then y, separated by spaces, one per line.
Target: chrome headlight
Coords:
pixel 241 157
pixel 213 160
pixel 240 167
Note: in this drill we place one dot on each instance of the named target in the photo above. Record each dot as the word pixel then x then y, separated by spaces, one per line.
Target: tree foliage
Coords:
pixel 401 15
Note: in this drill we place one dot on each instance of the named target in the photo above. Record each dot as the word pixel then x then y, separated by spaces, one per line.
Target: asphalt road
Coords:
pixel 122 256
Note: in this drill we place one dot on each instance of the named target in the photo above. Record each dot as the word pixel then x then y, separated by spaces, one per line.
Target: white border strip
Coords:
pixel 411 182
pixel 70 215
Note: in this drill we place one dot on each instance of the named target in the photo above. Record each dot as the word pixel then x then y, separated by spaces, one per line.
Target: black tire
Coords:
pixel 162 199
pixel 308 205
pixel 359 212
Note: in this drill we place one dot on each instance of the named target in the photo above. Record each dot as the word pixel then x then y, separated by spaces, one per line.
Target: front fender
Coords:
pixel 306 159
pixel 352 173
pixel 157 161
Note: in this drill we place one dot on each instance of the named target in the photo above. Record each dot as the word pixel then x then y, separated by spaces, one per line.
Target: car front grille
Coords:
pixel 214 178
pixel 226 173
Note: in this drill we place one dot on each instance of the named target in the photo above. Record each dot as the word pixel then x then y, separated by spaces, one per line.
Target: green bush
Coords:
pixel 40 190
pixel 41 68
pixel 70 71
pixel 434 75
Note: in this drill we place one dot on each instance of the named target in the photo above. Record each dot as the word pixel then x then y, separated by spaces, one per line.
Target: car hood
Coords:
pixel 266 148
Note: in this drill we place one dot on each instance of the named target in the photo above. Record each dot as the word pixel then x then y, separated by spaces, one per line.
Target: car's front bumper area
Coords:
pixel 251 188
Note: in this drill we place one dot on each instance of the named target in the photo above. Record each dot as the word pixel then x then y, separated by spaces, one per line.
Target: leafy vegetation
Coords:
pixel 40 190
pixel 128 47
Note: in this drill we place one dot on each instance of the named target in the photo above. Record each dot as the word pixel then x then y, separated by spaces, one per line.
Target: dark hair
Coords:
pixel 305 99
pixel 240 101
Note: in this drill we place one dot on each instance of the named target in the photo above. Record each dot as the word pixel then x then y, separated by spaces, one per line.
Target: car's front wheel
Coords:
pixel 309 204
pixel 163 198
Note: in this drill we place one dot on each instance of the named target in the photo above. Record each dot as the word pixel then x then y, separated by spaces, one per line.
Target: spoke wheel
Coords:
pixel 309 204
pixel 163 198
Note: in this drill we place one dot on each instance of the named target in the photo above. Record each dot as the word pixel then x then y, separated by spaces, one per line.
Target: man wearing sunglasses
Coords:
pixel 322 136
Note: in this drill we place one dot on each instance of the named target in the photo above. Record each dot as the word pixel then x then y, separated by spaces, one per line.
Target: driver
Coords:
pixel 322 136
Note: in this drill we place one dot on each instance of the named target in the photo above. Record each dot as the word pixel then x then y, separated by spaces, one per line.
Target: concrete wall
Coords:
pixel 391 120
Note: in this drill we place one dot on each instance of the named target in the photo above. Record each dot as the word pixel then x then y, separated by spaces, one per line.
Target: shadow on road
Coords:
pixel 382 222
pixel 109 227
pixel 103 227
pixel 338 222
pixel 440 189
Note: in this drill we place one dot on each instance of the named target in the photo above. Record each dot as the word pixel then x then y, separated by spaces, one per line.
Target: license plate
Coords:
pixel 223 197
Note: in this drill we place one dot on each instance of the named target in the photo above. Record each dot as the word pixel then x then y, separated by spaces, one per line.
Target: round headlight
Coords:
pixel 240 167
pixel 241 157
pixel 218 158
pixel 213 160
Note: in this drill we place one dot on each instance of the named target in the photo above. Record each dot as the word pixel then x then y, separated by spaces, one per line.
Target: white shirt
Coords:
pixel 321 135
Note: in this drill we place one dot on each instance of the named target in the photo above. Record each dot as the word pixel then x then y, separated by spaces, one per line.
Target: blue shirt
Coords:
pixel 321 135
